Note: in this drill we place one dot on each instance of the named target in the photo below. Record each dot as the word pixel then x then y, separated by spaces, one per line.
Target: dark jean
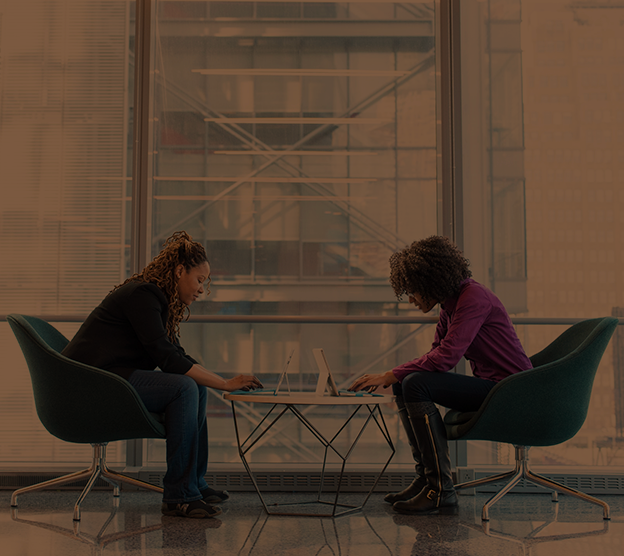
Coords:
pixel 461 392
pixel 183 402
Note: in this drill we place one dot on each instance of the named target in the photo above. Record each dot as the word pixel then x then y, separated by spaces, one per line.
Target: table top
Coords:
pixel 307 398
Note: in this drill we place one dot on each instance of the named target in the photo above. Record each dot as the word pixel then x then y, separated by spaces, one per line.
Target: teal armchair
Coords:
pixel 82 404
pixel 543 406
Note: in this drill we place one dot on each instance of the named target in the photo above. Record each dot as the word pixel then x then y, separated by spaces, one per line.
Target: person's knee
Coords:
pixel 397 389
pixel 415 385
pixel 202 390
pixel 195 395
pixel 202 393
pixel 414 380
pixel 187 387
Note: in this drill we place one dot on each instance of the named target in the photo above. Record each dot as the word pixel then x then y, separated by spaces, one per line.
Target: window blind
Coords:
pixel 64 112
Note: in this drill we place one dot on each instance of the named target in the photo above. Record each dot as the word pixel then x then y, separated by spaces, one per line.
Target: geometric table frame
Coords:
pixel 288 404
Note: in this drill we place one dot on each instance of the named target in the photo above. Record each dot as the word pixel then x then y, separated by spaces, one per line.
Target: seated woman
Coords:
pixel 473 324
pixel 134 333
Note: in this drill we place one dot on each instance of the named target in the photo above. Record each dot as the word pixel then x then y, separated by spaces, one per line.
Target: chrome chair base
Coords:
pixel 97 469
pixel 522 471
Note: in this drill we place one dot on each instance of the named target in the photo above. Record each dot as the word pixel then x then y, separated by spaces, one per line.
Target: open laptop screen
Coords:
pixel 326 380
pixel 280 380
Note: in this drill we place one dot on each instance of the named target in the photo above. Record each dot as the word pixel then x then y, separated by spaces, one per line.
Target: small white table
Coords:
pixel 289 403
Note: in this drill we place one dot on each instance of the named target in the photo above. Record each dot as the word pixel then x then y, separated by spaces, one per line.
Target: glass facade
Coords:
pixel 300 142
pixel 544 144
pixel 64 123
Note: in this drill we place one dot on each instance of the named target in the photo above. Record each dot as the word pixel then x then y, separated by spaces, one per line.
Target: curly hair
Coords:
pixel 179 249
pixel 433 267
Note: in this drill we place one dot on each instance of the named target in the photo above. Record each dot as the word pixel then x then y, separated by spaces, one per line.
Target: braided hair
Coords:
pixel 179 249
pixel 433 267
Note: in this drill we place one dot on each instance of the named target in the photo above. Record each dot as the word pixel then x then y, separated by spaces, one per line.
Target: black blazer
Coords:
pixel 128 331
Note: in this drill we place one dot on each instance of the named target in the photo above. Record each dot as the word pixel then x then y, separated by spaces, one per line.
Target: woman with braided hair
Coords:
pixel 473 324
pixel 135 333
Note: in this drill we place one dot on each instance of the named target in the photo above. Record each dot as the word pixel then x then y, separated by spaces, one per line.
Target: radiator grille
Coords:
pixel 14 481
pixel 589 484
pixel 302 480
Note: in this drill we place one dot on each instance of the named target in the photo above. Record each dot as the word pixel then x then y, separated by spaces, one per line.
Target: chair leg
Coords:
pixel 96 470
pixel 522 471
pixel 109 474
pixel 56 482
pixel 548 483
pixel 485 512
pixel 486 480
pixel 94 477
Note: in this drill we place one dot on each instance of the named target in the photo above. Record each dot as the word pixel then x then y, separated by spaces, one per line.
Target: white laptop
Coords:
pixel 271 391
pixel 326 381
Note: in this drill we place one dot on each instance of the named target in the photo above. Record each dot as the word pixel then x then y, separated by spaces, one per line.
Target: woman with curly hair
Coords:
pixel 135 333
pixel 473 324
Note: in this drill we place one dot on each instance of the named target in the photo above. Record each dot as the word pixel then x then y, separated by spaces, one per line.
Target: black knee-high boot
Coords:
pixel 439 495
pixel 419 481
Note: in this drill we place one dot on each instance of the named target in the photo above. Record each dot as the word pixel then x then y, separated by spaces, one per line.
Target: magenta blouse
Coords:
pixel 474 324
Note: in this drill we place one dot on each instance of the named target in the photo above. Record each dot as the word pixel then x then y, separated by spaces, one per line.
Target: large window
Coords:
pixel 296 140
pixel 300 141
pixel 544 184
pixel 64 117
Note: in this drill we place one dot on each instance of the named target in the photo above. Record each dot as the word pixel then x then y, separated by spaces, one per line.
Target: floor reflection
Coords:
pixel 97 541
pixel 319 536
pixel 538 534
pixel 530 521
pixel 524 525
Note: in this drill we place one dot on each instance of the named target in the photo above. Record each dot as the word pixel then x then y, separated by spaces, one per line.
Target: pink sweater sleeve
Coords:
pixel 452 337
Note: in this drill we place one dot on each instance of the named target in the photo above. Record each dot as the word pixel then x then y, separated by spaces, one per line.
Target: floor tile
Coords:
pixel 520 525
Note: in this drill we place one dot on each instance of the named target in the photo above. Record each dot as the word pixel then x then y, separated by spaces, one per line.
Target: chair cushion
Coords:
pixel 160 417
pixel 454 417
pixel 545 405
pixel 77 402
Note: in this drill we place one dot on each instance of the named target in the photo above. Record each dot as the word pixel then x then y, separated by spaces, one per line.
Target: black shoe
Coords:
pixel 197 509
pixel 212 496
pixel 429 502
pixel 412 490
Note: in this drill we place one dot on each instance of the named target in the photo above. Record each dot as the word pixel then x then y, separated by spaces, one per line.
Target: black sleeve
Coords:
pixel 144 311
pixel 181 350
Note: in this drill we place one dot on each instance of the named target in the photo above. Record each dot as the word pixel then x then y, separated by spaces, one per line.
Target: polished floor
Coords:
pixel 520 524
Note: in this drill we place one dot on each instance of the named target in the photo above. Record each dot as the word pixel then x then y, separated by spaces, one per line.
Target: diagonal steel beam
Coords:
pixel 419 11
pixel 361 219
pixel 276 157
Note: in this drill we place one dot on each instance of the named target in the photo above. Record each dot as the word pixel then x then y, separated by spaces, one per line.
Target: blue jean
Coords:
pixel 183 402
pixel 461 392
